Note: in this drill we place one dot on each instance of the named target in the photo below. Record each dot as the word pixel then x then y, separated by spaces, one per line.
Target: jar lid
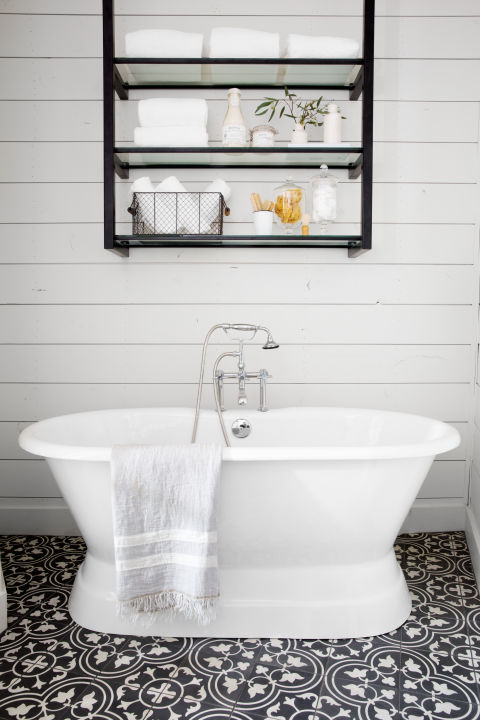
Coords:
pixel 288 184
pixel 270 128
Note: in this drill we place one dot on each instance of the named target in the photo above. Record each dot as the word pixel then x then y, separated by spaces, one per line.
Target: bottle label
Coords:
pixel 235 135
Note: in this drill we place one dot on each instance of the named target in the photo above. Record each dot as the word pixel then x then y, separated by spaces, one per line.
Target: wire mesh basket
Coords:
pixel 178 213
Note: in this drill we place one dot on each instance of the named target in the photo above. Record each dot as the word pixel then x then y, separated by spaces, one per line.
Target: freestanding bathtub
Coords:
pixel 310 505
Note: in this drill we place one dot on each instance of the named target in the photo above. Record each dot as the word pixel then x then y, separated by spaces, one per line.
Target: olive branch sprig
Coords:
pixel 303 112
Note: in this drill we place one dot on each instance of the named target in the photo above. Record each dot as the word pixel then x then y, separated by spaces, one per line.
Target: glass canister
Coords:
pixel 289 205
pixel 324 198
pixel 263 136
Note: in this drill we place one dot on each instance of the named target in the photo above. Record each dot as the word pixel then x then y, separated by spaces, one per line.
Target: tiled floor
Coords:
pixel 50 668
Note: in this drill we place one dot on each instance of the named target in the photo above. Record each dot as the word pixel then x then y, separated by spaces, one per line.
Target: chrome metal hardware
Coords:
pixel 219 383
pixel 241 428
pixel 263 376
pixel 242 376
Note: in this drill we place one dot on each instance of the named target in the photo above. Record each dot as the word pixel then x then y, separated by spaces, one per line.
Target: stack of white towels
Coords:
pixel 172 122
pixel 190 215
pixel 232 42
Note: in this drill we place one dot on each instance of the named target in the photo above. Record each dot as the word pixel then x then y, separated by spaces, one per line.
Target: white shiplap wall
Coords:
pixel 84 329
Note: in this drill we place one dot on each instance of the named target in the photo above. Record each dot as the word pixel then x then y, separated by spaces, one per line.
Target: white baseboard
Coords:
pixel 472 531
pixel 36 516
pixel 435 516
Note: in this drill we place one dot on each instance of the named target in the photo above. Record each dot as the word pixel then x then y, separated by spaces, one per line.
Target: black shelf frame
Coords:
pixel 252 241
pixel 123 87
pixel 113 82
pixel 122 167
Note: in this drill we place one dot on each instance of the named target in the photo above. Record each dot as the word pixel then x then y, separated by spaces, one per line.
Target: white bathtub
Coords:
pixel 310 506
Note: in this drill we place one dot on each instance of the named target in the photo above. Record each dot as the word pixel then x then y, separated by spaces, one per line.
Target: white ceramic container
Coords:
pixel 310 505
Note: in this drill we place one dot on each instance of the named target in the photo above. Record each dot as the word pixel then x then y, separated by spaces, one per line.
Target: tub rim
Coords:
pixel 448 439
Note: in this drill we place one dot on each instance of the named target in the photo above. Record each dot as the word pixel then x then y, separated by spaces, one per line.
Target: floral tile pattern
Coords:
pixel 53 669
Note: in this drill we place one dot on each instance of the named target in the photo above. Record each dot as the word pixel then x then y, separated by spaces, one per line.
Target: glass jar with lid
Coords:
pixel 263 136
pixel 324 198
pixel 289 201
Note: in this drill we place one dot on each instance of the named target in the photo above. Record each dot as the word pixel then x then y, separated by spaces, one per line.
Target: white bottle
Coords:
pixel 234 129
pixel 332 125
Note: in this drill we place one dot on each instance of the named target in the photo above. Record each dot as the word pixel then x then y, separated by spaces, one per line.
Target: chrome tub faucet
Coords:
pixel 241 375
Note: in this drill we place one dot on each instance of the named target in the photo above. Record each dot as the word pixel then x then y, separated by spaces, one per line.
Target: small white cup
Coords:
pixel 263 221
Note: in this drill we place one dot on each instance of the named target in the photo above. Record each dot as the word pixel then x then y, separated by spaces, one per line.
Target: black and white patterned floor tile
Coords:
pixel 52 669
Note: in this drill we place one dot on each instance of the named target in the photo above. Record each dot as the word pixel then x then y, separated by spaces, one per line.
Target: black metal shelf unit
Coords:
pixel 120 75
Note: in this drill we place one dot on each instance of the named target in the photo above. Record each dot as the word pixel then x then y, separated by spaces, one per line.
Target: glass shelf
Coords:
pixel 296 241
pixel 349 157
pixel 334 74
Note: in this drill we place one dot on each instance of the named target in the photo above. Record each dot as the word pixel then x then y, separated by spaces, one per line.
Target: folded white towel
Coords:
pixel 322 46
pixel 170 136
pixel 163 43
pixel 228 42
pixel 164 524
pixel 173 112
pixel 219 185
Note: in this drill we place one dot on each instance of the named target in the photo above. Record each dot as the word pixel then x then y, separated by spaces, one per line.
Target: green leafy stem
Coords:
pixel 303 112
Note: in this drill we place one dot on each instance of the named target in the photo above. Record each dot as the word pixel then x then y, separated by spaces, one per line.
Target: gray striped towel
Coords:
pixel 164 522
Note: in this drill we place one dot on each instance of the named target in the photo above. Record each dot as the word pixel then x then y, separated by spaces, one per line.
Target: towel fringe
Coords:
pixel 169 603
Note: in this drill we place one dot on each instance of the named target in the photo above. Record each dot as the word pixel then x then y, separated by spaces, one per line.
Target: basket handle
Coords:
pixel 132 209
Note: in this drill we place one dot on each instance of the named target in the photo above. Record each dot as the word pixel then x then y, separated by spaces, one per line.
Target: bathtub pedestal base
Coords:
pixel 369 598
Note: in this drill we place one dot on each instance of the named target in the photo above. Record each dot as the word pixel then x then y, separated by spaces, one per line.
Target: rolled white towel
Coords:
pixel 142 184
pixel 163 43
pixel 170 184
pixel 170 136
pixel 228 42
pixel 188 216
pixel 219 185
pixel 210 213
pixel 173 112
pixel 321 46
pixel 165 212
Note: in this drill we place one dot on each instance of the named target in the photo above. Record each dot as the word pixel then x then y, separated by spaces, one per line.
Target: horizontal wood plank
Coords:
pixel 450 402
pixel 27 478
pixel 249 283
pixel 249 7
pixel 446 479
pixel 323 324
pixel 179 364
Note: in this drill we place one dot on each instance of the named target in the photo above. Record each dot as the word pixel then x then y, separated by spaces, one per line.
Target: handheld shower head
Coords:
pixel 270 344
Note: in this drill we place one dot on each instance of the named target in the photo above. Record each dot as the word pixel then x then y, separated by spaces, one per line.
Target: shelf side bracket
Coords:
pixel 121 88
pixel 357 87
pixel 355 170
pixel 121 168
